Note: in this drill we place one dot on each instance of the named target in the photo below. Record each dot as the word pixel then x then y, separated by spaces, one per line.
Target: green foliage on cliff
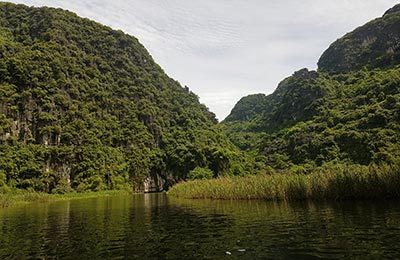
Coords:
pixel 374 45
pixel 346 112
pixel 200 173
pixel 83 106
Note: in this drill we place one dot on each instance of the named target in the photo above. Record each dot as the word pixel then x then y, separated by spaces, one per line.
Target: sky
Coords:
pixel 226 49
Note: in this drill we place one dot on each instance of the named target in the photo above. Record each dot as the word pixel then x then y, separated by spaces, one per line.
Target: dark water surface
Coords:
pixel 154 226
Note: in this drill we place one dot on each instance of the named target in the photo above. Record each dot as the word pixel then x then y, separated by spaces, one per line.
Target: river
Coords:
pixel 154 226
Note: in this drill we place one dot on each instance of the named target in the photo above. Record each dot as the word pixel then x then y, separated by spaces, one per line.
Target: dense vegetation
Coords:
pixel 340 182
pixel 374 45
pixel 84 107
pixel 346 112
pixel 20 196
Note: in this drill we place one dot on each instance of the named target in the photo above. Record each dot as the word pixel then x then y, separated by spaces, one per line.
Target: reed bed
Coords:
pixel 20 196
pixel 10 199
pixel 339 182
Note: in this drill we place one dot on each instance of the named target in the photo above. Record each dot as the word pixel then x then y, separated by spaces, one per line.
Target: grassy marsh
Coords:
pixel 339 182
pixel 20 196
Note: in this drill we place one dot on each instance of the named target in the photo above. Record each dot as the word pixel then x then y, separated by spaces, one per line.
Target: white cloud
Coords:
pixel 226 49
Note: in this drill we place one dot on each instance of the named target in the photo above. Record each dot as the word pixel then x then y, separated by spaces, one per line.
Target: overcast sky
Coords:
pixel 226 49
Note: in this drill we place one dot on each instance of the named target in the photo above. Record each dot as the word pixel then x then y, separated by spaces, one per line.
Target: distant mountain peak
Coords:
pixel 346 111
pixel 394 9
pixel 373 45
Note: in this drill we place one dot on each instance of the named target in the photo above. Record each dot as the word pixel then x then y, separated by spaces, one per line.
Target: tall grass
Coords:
pixel 10 199
pixel 20 196
pixel 335 183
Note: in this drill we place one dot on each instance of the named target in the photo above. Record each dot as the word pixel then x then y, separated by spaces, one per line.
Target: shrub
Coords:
pixel 200 173
pixel 2 179
pixel 62 187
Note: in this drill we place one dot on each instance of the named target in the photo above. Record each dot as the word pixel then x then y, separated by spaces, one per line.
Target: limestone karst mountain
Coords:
pixel 83 106
pixel 346 111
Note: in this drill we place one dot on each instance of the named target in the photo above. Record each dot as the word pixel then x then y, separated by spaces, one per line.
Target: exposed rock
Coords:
pixel 374 45
pixel 394 9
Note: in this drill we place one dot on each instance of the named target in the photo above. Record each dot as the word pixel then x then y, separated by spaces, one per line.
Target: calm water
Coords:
pixel 157 227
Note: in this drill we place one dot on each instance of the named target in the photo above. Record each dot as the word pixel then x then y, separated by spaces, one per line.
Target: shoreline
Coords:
pixel 23 197
pixel 341 182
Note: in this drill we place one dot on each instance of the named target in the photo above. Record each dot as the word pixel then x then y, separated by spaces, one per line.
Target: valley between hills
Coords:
pixel 85 108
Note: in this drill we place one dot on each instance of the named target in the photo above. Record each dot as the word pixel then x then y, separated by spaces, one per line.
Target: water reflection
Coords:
pixel 154 226
pixel 363 230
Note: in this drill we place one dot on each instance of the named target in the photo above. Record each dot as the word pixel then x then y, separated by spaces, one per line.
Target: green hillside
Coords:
pixel 85 107
pixel 374 45
pixel 346 112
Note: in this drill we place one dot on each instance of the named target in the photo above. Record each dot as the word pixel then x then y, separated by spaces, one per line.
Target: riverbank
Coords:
pixel 339 182
pixel 20 196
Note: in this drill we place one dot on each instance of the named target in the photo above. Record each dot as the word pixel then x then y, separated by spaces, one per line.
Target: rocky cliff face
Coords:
pixel 374 45
pixel 392 10
pixel 346 112
pixel 83 106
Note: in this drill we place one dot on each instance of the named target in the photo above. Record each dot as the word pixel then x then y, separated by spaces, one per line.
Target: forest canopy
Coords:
pixel 85 107
pixel 348 111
